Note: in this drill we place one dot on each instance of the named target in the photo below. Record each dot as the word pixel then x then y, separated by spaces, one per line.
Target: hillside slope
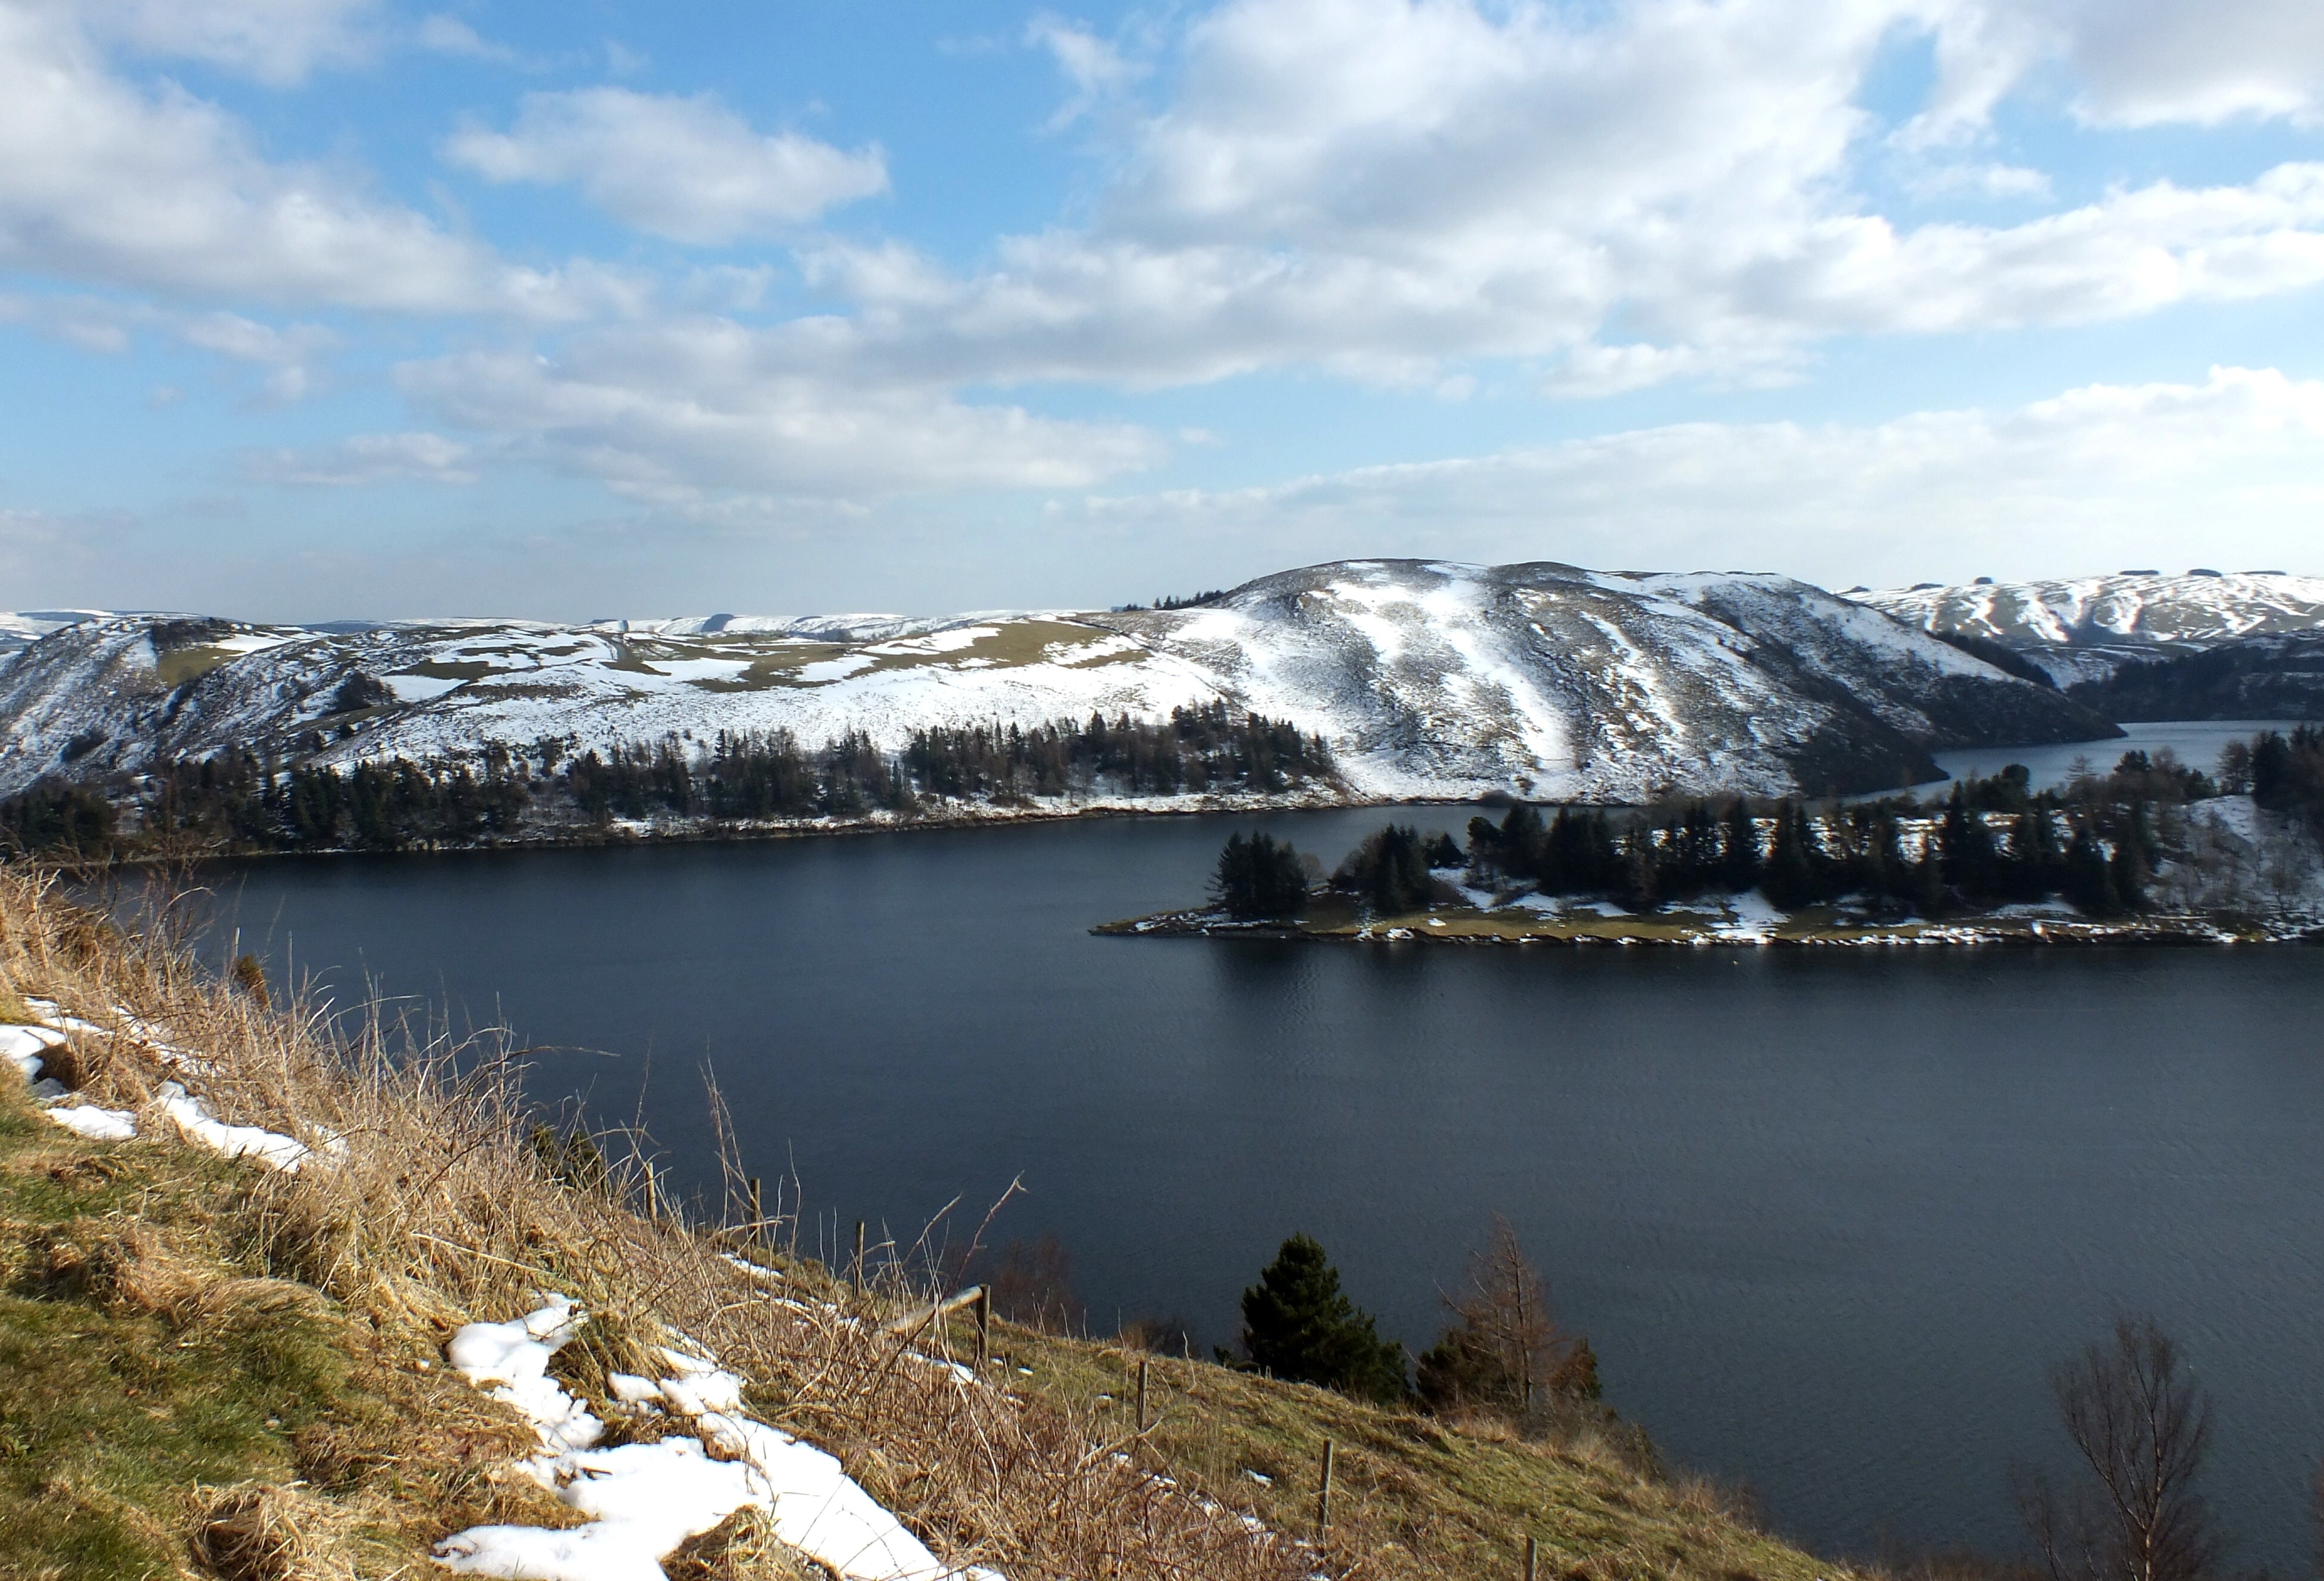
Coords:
pixel 1425 679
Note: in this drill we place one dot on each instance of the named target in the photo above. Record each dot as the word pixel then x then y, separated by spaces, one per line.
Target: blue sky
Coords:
pixel 314 308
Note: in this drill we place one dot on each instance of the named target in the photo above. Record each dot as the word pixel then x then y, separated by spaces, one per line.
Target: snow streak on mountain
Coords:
pixel 1426 679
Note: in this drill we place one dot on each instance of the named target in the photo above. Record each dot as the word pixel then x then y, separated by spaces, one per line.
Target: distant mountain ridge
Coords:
pixel 2130 608
pixel 2142 645
pixel 1427 679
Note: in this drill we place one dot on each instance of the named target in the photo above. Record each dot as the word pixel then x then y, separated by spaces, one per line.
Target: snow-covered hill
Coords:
pixel 2129 608
pixel 1427 679
pixel 23 628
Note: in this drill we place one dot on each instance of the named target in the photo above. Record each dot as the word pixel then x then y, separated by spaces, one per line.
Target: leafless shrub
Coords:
pixel 1032 1285
pixel 1506 1352
pixel 2141 1430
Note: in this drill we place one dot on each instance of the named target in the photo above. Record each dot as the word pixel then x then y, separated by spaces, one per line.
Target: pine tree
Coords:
pixel 1258 876
pixel 1966 845
pixel 2084 876
pixel 1298 1325
pixel 1738 848
pixel 2128 870
pixel 1389 871
pixel 1789 880
pixel 1929 897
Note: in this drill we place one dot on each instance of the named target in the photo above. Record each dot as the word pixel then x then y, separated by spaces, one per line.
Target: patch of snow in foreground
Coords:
pixel 644 1500
pixel 95 1124
pixel 193 1120
pixel 26 1045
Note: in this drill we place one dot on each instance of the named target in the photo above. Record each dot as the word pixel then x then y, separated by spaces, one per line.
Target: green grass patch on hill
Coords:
pixel 168 1408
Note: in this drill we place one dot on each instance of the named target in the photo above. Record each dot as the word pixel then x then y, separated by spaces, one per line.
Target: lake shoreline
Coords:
pixel 1696 931
pixel 624 834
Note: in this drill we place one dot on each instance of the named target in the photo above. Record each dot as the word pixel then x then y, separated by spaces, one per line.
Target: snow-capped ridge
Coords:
pixel 2199 608
pixel 1425 678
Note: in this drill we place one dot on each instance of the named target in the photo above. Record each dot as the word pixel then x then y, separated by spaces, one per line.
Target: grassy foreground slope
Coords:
pixel 208 1368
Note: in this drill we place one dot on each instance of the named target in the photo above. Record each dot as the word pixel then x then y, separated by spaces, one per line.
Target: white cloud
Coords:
pixel 684 408
pixel 688 168
pixel 366 459
pixel 110 325
pixel 1375 187
pixel 102 183
pixel 277 41
pixel 448 35
pixel 2139 63
pixel 1096 69
pixel 2061 485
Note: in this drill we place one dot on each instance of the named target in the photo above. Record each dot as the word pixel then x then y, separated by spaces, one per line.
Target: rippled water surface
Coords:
pixel 1825 1216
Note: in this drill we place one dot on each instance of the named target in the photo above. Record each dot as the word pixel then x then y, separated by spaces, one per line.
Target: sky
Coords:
pixel 316 309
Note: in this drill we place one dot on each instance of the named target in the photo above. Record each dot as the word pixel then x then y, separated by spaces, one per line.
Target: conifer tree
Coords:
pixel 2127 868
pixel 2085 878
pixel 1298 1325
pixel 1789 880
pixel 1259 875
pixel 1389 871
pixel 1738 848
pixel 1967 848
pixel 1929 897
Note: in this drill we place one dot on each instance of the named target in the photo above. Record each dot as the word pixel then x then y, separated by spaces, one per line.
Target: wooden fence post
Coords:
pixel 1324 1499
pixel 858 1275
pixel 1142 1360
pixel 984 1326
pixel 1533 1558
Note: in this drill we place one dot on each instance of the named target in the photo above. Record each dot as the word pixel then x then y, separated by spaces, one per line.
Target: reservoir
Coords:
pixel 1826 1217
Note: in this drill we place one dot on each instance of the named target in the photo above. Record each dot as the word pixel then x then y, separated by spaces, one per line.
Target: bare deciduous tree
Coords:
pixel 2141 1429
pixel 1506 1352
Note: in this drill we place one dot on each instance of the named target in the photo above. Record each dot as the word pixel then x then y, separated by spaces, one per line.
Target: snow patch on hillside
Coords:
pixel 646 1499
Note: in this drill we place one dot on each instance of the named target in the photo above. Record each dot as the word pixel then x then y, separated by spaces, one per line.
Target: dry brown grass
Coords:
pixel 434 1208
pixel 263 1531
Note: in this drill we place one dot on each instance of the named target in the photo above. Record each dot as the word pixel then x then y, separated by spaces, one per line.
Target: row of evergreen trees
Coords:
pixel 2284 773
pixel 240 800
pixel 1995 841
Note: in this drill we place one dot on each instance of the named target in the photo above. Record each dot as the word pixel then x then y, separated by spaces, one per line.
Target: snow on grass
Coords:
pixel 194 1122
pixel 645 1499
pixel 421 688
pixel 950 641
pixel 97 1124
pixel 700 669
pixel 26 1045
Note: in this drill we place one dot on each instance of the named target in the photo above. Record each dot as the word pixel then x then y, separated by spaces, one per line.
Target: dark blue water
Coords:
pixel 1825 1217
pixel 2198 744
